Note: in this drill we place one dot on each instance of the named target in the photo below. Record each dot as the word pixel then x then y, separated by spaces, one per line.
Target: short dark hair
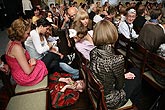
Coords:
pixel 43 21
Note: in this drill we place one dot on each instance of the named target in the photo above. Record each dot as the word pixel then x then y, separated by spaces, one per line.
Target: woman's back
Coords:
pixel 108 68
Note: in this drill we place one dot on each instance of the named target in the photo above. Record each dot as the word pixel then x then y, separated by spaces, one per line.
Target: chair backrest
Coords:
pixel 122 42
pixel 82 59
pixel 136 56
pixel 95 91
pixel 156 69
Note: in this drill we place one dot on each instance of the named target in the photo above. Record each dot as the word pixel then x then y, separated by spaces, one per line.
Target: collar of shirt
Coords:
pixel 162 28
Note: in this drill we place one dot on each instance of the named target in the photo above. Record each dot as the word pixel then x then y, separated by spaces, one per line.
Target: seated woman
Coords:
pixel 108 68
pixel 39 48
pixel 83 39
pixel 126 27
pixel 26 71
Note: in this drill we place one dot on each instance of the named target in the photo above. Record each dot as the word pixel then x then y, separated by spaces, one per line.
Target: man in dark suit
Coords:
pixel 152 36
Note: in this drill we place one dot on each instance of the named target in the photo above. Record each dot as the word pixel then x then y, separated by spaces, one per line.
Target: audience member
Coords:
pixel 39 48
pixel 108 68
pixel 126 27
pixel 27 9
pixel 26 71
pixel 92 12
pixel 83 39
pixel 155 15
pixel 62 86
pixel 98 17
pixel 69 17
pixel 140 19
pixel 36 16
pixel 111 13
pixel 151 36
pixel 82 16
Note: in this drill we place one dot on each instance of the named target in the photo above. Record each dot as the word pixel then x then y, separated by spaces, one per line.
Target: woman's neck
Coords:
pixel 18 42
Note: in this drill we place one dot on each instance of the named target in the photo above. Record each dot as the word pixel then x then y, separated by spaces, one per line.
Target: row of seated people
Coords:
pixel 27 70
pixel 151 65
pixel 15 49
pixel 150 35
pixel 105 65
pixel 87 44
pixel 83 44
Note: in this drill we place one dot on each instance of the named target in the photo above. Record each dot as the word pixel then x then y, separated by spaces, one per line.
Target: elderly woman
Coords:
pixel 126 27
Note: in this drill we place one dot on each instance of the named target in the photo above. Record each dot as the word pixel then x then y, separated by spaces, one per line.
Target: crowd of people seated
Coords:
pixel 92 29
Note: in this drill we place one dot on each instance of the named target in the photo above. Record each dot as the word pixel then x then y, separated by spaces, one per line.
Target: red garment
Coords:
pixel 61 99
pixel 21 78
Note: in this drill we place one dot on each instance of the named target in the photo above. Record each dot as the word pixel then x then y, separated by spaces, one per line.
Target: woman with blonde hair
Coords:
pixel 83 17
pixel 83 39
pixel 26 71
pixel 108 68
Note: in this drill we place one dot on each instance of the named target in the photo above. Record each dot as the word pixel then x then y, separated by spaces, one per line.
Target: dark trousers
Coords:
pixel 51 61
pixel 133 88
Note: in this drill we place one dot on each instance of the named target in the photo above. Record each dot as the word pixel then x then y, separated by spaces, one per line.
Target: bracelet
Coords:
pixel 2 65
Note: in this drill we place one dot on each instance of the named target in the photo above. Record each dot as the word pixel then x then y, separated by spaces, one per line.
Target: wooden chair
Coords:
pixel 155 64
pixel 95 91
pixel 31 101
pixel 43 85
pixel 82 59
pixel 136 56
pixel 26 97
pixel 122 45
pixel 29 98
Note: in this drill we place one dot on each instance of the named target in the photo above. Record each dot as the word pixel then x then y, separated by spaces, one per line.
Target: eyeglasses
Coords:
pixel 133 16
pixel 71 16
pixel 49 15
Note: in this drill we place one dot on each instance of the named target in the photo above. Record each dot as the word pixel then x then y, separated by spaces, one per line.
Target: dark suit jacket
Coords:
pixel 151 37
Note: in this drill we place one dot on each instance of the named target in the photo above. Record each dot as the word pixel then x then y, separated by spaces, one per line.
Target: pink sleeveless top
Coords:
pixel 21 78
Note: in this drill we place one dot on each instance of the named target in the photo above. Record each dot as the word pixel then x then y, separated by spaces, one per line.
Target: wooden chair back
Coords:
pixel 96 92
pixel 122 45
pixel 136 56
pixel 156 66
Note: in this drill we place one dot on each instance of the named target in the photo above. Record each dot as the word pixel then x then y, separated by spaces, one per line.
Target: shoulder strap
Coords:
pixel 11 46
